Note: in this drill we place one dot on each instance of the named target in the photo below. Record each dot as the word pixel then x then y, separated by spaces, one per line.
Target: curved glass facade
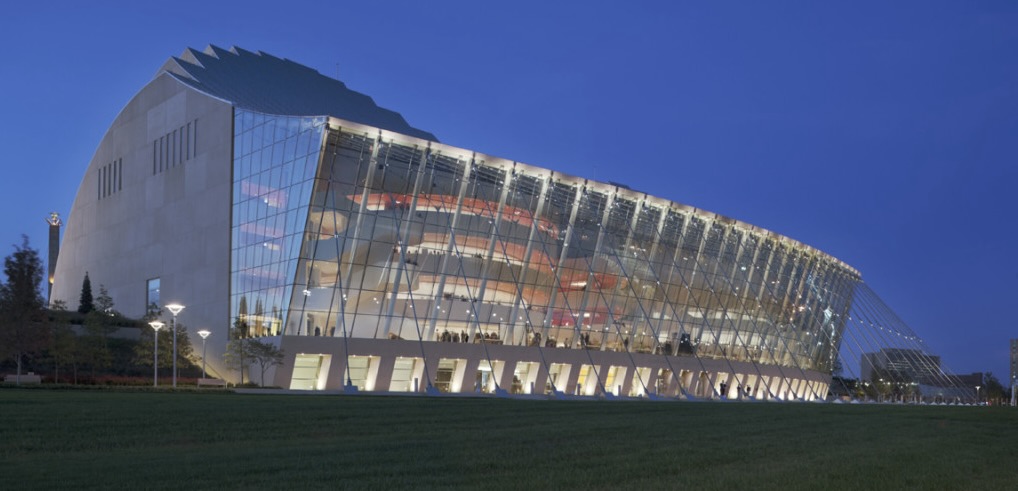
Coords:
pixel 342 233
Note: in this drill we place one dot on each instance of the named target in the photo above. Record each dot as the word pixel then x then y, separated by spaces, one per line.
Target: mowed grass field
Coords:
pixel 76 439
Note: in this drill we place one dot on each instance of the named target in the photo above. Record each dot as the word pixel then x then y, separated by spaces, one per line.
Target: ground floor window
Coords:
pixel 308 373
pixel 664 377
pixel 485 380
pixel 522 378
pixel 614 378
pixel 357 371
pixel 446 374
pixel 638 388
pixel 582 379
pixel 557 374
pixel 403 375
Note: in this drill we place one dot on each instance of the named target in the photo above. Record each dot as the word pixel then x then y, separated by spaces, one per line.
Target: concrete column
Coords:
pixel 384 375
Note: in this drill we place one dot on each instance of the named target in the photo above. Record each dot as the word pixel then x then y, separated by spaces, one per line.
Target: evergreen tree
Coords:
pixel 23 317
pixel 85 303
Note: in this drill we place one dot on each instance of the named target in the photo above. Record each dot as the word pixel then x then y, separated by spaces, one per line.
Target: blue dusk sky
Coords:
pixel 883 133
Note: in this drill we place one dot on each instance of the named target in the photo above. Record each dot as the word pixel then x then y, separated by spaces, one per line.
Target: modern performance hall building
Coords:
pixel 265 196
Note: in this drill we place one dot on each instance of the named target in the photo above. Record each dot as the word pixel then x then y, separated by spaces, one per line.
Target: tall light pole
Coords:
pixel 174 309
pixel 204 333
pixel 977 394
pixel 156 326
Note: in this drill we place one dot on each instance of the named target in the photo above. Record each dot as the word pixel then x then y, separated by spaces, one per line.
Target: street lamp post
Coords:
pixel 156 326
pixel 204 333
pixel 174 309
pixel 977 394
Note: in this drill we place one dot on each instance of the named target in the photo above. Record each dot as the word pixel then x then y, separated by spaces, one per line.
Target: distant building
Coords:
pixel 905 365
pixel 971 380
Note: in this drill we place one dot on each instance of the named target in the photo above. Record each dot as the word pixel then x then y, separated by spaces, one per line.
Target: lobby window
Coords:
pixel 152 295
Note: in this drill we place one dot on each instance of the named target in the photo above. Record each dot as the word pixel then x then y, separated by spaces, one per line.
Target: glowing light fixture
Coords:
pixel 204 333
pixel 156 326
pixel 174 309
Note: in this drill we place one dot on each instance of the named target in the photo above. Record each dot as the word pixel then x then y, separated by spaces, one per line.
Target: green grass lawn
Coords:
pixel 131 440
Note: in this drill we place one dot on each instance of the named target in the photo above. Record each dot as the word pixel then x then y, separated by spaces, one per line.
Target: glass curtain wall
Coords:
pixel 386 239
pixel 274 166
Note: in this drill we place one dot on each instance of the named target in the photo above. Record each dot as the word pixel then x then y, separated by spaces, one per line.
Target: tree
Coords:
pixel 265 355
pixel 104 302
pixel 994 391
pixel 22 309
pixel 143 349
pixel 98 328
pixel 85 302
pixel 95 348
pixel 185 352
pixel 63 350
pixel 238 355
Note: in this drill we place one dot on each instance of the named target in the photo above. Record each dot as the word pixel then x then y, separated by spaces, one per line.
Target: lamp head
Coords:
pixel 204 333
pixel 174 308
pixel 157 325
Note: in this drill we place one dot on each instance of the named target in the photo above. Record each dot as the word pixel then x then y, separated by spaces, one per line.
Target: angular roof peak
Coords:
pixel 258 81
